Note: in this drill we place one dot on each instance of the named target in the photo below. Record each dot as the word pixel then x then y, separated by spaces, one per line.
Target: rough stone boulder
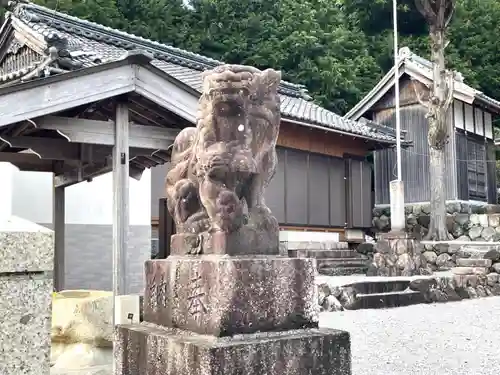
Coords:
pixel 82 333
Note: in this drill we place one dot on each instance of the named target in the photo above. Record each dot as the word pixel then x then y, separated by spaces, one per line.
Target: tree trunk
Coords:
pixel 440 99
pixel 437 228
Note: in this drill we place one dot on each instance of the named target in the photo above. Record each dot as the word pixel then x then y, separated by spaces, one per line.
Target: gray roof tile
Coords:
pixel 110 44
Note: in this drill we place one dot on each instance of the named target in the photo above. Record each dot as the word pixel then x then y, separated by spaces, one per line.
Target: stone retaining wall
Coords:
pixel 441 257
pixel 466 222
pixel 432 290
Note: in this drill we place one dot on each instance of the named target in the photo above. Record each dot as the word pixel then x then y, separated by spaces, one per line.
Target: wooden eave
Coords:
pixel 461 92
pixel 43 124
pixel 60 92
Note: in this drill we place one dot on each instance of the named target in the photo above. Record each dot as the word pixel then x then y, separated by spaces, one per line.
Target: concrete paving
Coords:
pixel 455 338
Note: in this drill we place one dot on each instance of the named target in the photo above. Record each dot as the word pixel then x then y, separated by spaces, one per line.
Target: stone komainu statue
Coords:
pixel 220 168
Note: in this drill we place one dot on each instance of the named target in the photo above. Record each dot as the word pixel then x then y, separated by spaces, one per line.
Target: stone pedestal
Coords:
pixel 398 254
pixel 148 349
pixel 223 296
pixel 213 314
pixel 224 302
pixel 26 263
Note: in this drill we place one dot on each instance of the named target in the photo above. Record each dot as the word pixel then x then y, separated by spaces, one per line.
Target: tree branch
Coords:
pixel 437 13
pixel 450 11
pixel 450 88
pixel 425 8
pixel 418 94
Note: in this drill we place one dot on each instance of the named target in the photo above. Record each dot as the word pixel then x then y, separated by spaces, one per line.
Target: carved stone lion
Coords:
pixel 219 169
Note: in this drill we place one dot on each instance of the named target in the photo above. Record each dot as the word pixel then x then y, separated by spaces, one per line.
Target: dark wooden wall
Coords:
pixel 314 190
pixel 415 160
pixel 321 142
pixel 359 174
pixel 322 180
pixel 476 168
pixel 308 189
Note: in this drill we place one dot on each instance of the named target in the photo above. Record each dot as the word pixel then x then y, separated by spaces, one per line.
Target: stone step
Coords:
pixel 474 262
pixel 480 252
pixel 342 271
pixel 325 245
pixel 342 262
pixel 469 270
pixel 383 286
pixel 385 300
pixel 303 253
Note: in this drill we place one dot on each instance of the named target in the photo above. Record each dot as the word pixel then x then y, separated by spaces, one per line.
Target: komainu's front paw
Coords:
pixel 262 218
pixel 186 197
pixel 229 217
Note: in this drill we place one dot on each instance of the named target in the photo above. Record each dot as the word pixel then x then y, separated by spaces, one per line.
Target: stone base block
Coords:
pixel 244 242
pixel 397 254
pixel 25 247
pixel 223 296
pixel 147 349
pixel 25 313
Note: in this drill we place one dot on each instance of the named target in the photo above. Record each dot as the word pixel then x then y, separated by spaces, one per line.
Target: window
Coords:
pixel 476 169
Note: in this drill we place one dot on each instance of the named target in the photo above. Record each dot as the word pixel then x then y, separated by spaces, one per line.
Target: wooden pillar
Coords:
pixel 59 213
pixel 120 199
pixel 166 228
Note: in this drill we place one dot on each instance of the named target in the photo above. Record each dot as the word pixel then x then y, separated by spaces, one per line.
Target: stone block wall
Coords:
pixel 445 256
pixel 435 289
pixel 466 221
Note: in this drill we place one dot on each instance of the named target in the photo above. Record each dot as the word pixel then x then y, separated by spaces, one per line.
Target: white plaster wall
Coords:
pixel 6 175
pixel 86 202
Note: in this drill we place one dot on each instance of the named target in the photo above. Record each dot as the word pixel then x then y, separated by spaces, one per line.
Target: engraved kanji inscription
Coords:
pixel 196 304
pixel 158 292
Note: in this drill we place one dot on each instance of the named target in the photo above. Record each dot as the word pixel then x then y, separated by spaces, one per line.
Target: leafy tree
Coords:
pixel 438 14
pixel 104 12
pixel 337 48
pixel 475 45
pixel 472 34
pixel 309 40
pixel 167 21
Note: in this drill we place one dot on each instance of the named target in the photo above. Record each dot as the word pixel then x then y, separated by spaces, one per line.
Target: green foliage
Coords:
pixel 310 41
pixel 338 48
pixel 101 11
pixel 474 34
pixel 162 20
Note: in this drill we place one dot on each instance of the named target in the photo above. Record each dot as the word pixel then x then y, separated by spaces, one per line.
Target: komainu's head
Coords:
pixel 241 101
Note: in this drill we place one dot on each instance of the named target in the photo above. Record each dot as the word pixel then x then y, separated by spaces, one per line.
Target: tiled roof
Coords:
pixel 110 44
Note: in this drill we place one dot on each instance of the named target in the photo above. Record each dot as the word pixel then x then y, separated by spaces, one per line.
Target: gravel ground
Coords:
pixel 455 338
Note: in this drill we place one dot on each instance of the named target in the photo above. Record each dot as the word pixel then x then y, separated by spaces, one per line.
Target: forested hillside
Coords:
pixel 338 48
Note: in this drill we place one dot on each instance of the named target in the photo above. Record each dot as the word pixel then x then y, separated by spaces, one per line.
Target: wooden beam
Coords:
pixel 27 162
pixel 120 199
pixel 46 148
pixel 102 132
pixel 88 172
pixel 61 149
pixel 59 237
pixel 84 173
pixel 167 94
pixel 65 91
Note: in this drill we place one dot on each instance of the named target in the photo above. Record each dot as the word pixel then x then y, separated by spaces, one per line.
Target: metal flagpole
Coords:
pixel 397 188
pixel 396 88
